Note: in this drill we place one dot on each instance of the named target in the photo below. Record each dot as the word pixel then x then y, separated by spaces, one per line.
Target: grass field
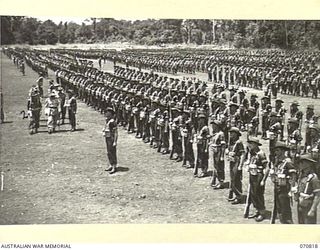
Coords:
pixel 60 178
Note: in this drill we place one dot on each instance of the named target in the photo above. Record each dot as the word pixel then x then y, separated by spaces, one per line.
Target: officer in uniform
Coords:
pixel 308 193
pixel 62 97
pixel 235 156
pixel 71 105
pixel 52 105
pixel 34 107
pixel 111 137
pixel 283 175
pixel 258 173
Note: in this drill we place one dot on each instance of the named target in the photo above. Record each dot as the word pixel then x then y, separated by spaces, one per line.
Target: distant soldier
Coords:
pixel 1 108
pixel 294 137
pixel 281 111
pixel 111 137
pixel 308 193
pixel 236 155
pixel 295 112
pixel 258 173
pixel 265 120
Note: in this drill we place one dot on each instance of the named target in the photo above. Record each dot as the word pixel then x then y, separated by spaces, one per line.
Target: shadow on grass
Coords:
pixel 122 169
pixel 6 122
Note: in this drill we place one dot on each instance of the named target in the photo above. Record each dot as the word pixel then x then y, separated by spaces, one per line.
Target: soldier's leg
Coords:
pixel 198 163
pixel 204 163
pixel 215 172
pixel 232 180
pixel 284 207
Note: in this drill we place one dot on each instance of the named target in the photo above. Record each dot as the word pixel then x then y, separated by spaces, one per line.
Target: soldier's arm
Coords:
pixel 265 164
pixel 242 157
pixel 315 182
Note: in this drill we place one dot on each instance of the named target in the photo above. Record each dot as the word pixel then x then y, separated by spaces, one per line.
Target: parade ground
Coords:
pixel 59 178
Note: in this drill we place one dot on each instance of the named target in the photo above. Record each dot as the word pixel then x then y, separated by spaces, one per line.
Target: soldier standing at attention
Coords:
pixel 258 173
pixel 62 97
pixel 217 146
pixel 236 156
pixel 308 193
pixel 283 175
pixel 111 136
pixel 1 108
pixel 71 105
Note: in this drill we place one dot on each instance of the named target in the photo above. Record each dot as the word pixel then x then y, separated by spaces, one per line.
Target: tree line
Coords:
pixel 285 34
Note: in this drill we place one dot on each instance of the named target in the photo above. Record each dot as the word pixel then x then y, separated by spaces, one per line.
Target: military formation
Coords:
pixel 205 129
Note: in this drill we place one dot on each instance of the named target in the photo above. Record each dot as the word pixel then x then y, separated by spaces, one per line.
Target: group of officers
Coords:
pixel 174 115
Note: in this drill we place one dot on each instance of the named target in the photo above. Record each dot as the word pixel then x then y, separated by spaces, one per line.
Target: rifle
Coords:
pixel 275 207
pixel 248 203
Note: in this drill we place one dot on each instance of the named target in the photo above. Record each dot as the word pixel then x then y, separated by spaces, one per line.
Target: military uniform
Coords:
pixel 71 105
pixel 308 193
pixel 217 146
pixel 52 105
pixel 202 152
pixel 235 157
pixel 258 172
pixel 283 176
pixel 111 136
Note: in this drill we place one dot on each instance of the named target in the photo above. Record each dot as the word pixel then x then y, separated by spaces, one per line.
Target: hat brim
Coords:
pixel 258 143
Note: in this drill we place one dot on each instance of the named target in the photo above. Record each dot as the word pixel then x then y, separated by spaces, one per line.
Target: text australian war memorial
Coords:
pixel 160 121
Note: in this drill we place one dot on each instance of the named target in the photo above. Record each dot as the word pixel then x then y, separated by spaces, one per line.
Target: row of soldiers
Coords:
pixel 161 112
pixel 289 73
pixel 176 122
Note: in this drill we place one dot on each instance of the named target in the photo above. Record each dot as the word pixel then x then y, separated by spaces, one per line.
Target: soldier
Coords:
pixel 283 175
pixel 34 108
pixel 202 152
pixel 265 120
pixel 1 108
pixel 258 173
pixel 236 155
pixel 52 105
pixel 308 193
pixel 40 84
pixel 71 105
pixel 188 134
pixel 294 136
pixel 62 97
pixel 309 121
pixel 176 140
pixel 253 122
pixel 110 133
pixel 281 111
pixel 217 146
pixel 295 112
